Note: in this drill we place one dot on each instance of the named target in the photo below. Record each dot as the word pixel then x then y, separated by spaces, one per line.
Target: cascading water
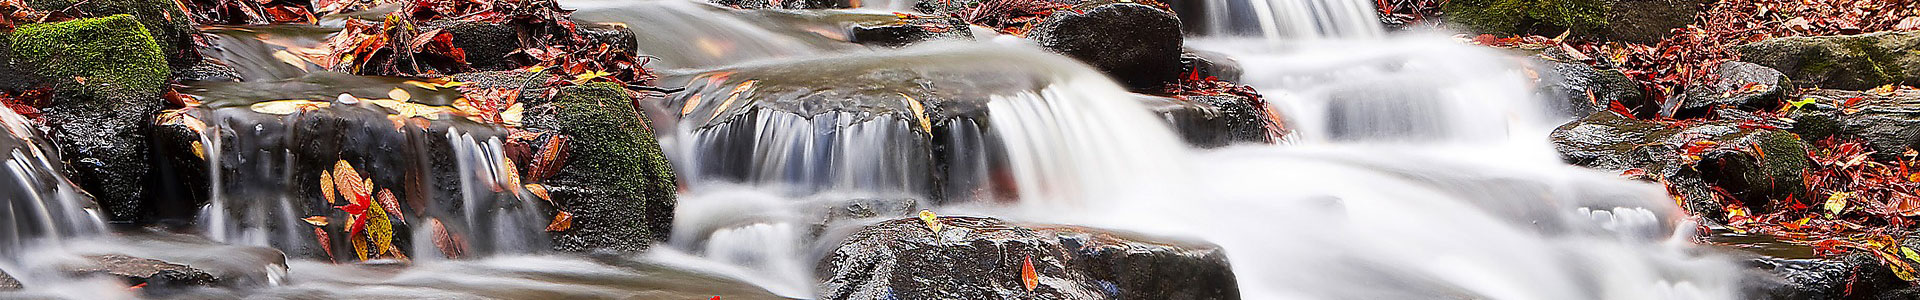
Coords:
pixel 687 34
pixel 41 208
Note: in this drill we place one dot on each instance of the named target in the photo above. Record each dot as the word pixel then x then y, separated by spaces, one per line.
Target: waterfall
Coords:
pixel 1282 19
pixel 41 208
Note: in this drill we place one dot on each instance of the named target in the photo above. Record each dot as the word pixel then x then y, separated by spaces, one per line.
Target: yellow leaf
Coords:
pixel 200 151
pixel 919 112
pixel 284 107
pixel 589 75
pixel 359 247
pixel 933 221
pixel 536 69
pixel 512 116
pixel 399 95
pixel 316 220
pixel 326 187
pixel 1836 203
pixel 379 229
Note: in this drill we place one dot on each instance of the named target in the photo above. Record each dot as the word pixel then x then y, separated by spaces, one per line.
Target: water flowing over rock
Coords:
pixel 979 258
pixel 1211 121
pixel 1851 62
pixel 141 271
pixel 1581 90
pixel 107 77
pixel 41 204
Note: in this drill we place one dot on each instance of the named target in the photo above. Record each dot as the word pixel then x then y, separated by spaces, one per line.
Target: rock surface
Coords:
pixel 108 76
pixel 1740 85
pixel 1211 121
pixel 1886 122
pixel 1852 62
pixel 1580 90
pixel 1733 157
pixel 7 283
pixel 984 258
pixel 170 28
pixel 617 182
pixel 1636 21
pixel 151 272
pixel 1145 56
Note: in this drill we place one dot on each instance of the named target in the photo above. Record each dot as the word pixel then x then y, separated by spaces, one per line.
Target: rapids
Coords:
pixel 1418 168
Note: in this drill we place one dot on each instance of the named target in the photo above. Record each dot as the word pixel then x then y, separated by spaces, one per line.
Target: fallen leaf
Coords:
pixel 326 187
pixel 1027 276
pixel 316 220
pixel 391 204
pixel 1836 203
pixel 933 222
pixel 561 222
pixel 399 95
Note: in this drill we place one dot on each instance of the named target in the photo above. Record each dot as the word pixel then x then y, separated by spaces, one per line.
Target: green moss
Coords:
pixel 1508 16
pixel 100 58
pixel 620 183
pixel 170 27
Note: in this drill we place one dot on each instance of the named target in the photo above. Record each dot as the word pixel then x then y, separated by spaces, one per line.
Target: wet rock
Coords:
pixel 1211 121
pixel 107 76
pixel 1852 276
pixel 168 26
pixel 617 182
pixel 151 272
pixel 1852 62
pixel 487 44
pixel 1734 157
pixel 1581 90
pixel 7 283
pixel 1649 21
pixel 835 213
pixel 1741 85
pixel 207 70
pixel 863 27
pixel 787 4
pixel 983 258
pixel 1203 64
pixel 1138 45
pixel 1887 122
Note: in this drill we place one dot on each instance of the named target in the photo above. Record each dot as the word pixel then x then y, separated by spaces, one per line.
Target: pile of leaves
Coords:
pixel 415 41
pixel 249 12
pixel 1009 16
pixel 1194 84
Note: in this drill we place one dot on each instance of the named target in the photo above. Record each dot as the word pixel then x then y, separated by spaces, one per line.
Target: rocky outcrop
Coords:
pixel 1138 45
pixel 617 183
pixel 1648 21
pixel 1739 85
pixel 7 283
pixel 1852 62
pixel 1636 21
pixel 1729 154
pixel 138 271
pixel 107 75
pixel 985 258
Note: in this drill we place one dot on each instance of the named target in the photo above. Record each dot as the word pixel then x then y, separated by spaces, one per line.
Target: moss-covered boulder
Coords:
pixel 1756 165
pixel 108 76
pixel 617 183
pixel 170 27
pixel 1851 62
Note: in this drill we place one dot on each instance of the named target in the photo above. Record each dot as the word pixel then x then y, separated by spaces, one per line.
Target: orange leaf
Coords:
pixel 326 243
pixel 1027 276
pixel 326 186
pixel 392 205
pixel 541 191
pixel 561 222
pixel 316 220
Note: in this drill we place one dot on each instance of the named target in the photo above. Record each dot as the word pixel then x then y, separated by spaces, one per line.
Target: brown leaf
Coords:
pixel 449 244
pixel 326 243
pixel 392 205
pixel 561 222
pixel 326 187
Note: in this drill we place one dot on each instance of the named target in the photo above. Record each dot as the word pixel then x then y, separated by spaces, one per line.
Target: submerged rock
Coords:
pixel 108 76
pixel 985 258
pixel 1851 62
pixel 617 182
pixel 1727 154
pixel 1138 45
pixel 862 27
pixel 1740 85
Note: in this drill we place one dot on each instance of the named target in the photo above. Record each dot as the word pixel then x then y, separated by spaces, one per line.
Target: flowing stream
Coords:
pixel 1419 167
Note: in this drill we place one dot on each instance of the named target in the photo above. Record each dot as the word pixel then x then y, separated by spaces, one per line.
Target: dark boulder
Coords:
pixel 1202 64
pixel 1579 89
pixel 170 28
pixel 1852 62
pixel 862 27
pixel 1855 275
pixel 108 76
pixel 984 258
pixel 1740 85
pixel 1636 21
pixel 617 183
pixel 1727 154
pixel 1648 21
pixel 907 31
pixel 1212 121
pixel 1138 45
pixel 1888 122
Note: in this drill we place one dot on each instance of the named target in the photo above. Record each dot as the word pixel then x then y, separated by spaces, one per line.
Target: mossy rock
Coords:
pixel 170 27
pixel 1545 17
pixel 1849 62
pixel 108 76
pixel 616 182
pixel 1756 166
